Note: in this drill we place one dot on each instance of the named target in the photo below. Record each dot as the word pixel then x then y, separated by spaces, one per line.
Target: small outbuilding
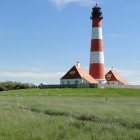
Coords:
pixel 77 75
pixel 113 77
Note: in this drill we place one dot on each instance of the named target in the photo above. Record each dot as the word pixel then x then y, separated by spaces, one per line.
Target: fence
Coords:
pixel 69 86
pixel 91 86
pixel 119 86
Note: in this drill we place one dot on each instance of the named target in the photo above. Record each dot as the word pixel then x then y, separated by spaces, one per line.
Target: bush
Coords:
pixel 9 85
pixel 2 88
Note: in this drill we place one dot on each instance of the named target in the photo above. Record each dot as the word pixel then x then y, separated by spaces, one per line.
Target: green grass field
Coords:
pixel 70 114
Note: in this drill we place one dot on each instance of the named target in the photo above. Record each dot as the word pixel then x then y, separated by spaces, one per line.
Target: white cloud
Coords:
pixel 123 72
pixel 31 74
pixel 62 3
pixel 34 75
pixel 129 73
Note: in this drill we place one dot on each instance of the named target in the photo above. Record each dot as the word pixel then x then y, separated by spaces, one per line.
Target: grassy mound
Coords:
pixel 72 114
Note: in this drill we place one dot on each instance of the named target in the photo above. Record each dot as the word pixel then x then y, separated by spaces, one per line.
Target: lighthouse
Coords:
pixel 96 69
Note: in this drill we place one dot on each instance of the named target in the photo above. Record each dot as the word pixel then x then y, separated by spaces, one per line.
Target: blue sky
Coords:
pixel 41 39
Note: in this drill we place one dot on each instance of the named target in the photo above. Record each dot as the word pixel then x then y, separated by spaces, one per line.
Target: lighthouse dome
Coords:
pixel 96 12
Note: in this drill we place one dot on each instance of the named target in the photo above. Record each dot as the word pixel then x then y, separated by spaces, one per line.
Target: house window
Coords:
pixel 62 82
pixel 72 72
pixel 108 77
pixel 68 82
pixel 76 82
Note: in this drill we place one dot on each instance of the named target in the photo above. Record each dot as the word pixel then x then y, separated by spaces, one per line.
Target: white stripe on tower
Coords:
pixel 97 53
pixel 96 57
pixel 97 33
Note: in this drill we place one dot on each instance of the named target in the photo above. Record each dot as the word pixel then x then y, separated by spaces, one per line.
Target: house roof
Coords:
pixel 77 72
pixel 112 75
pixel 85 75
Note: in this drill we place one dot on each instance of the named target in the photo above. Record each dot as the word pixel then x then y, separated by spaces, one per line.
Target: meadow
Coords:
pixel 70 114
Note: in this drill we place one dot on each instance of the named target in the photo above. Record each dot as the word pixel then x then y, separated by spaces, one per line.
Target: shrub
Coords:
pixel 9 85
pixel 2 88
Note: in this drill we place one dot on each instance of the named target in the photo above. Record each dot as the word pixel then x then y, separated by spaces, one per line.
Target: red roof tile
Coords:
pixel 85 75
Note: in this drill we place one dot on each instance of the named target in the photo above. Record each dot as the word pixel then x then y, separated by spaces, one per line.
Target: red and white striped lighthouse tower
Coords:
pixel 96 69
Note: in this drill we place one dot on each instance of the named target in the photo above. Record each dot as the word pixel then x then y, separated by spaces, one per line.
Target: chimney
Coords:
pixel 78 64
pixel 112 68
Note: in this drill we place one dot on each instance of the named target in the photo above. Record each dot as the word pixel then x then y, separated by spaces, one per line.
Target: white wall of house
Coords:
pixel 113 82
pixel 72 81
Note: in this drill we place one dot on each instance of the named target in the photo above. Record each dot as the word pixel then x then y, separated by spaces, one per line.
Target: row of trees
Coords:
pixel 9 85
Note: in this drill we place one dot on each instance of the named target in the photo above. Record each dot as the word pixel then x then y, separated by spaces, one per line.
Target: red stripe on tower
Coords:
pixel 96 69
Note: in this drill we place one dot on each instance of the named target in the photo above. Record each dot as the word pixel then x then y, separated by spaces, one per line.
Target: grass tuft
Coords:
pixel 89 118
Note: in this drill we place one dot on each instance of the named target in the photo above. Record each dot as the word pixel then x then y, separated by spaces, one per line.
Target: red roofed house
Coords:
pixel 77 75
pixel 112 77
